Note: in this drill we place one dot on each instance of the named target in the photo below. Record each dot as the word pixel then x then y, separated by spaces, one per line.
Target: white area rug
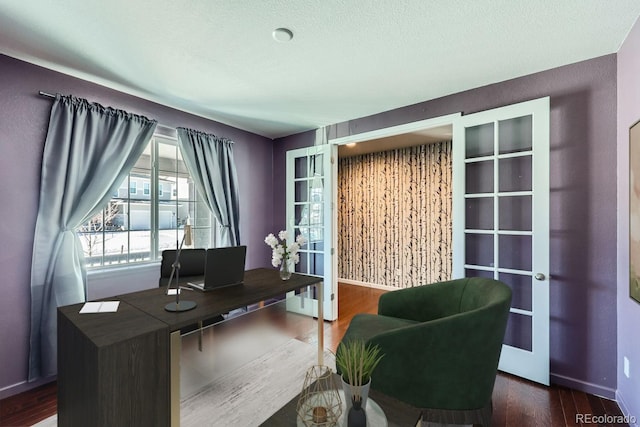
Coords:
pixel 251 394
pixel 240 379
pixel 222 353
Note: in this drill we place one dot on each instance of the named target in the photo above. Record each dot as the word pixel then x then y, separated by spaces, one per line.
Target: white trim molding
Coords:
pixel 397 130
pixel 368 285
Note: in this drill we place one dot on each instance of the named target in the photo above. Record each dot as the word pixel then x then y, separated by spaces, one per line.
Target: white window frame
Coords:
pixel 155 198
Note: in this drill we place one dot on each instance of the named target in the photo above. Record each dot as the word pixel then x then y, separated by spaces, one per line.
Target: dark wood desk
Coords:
pixel 259 285
pixel 123 368
pixel 102 359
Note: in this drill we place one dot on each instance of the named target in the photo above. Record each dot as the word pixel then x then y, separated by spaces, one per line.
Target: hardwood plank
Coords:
pixel 598 409
pixel 520 407
pixel 555 408
pixel 500 401
pixel 583 408
pixel 568 407
pixel 29 407
pixel 611 407
pixel 540 401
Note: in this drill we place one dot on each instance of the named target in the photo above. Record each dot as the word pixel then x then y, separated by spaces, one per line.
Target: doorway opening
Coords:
pixel 394 205
pixel 394 210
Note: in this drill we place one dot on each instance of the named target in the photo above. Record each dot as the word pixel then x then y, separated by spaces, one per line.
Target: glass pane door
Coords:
pixel 311 176
pixel 506 229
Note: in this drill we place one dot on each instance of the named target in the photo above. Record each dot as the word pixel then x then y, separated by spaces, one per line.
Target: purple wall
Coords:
pixel 583 199
pixel 24 117
pixel 628 310
pixel 583 204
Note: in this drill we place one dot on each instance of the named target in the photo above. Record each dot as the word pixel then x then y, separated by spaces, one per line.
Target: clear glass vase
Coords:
pixel 286 268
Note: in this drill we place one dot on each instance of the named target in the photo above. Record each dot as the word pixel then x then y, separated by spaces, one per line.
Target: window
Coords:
pixel 137 228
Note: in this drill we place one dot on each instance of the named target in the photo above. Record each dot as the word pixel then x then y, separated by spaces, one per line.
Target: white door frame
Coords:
pixel 420 125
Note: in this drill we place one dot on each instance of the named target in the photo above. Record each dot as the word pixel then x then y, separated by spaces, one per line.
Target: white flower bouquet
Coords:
pixel 282 251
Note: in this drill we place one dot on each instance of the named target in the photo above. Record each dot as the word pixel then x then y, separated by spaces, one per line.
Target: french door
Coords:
pixel 501 194
pixel 311 179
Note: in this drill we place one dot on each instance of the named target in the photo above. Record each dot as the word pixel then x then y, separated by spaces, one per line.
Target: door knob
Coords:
pixel 539 276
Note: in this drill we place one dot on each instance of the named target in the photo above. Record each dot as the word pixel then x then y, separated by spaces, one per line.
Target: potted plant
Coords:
pixel 356 361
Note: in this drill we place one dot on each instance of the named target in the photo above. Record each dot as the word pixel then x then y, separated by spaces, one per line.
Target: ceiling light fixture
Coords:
pixel 351 144
pixel 282 35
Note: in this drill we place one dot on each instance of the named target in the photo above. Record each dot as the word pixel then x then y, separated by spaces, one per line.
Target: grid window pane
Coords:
pixel 148 211
pixel 515 134
pixel 479 213
pixel 479 250
pixel 472 272
pixel 522 293
pixel 515 252
pixel 515 174
pixel 519 332
pixel 479 177
pixel 515 213
pixel 301 168
pixel 479 141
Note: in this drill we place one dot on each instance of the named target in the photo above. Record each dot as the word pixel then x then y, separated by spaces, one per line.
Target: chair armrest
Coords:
pixel 423 303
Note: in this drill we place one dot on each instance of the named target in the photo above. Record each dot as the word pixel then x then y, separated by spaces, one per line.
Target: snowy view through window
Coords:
pixel 148 211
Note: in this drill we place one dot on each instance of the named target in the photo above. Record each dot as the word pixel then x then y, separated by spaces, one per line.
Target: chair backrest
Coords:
pixel 481 292
pixel 443 299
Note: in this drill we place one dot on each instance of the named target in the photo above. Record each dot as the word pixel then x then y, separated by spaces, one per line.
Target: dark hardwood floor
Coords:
pixel 30 407
pixel 516 402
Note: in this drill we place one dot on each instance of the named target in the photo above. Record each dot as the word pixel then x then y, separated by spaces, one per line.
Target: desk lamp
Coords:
pixel 175 269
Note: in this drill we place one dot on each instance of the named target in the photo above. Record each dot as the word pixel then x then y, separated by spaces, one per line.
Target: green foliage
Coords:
pixel 356 361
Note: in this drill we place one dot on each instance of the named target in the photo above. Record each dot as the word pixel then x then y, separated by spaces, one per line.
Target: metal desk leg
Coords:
pixel 174 383
pixel 320 292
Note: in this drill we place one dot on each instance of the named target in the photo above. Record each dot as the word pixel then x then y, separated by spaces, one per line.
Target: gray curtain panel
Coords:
pixel 209 160
pixel 89 149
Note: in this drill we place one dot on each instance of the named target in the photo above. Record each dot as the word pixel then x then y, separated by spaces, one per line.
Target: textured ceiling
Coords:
pixel 347 59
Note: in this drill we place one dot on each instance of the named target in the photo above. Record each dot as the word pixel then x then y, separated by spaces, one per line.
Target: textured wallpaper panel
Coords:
pixel 394 216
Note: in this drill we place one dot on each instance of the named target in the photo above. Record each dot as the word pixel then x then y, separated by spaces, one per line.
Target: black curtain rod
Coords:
pixel 41 93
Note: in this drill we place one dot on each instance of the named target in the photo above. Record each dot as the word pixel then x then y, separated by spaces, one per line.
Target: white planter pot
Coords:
pixel 364 392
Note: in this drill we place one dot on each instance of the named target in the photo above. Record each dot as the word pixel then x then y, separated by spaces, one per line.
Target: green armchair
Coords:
pixel 441 345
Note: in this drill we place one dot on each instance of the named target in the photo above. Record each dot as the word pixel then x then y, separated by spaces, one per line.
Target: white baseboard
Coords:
pixel 367 284
pixel 22 386
pixel 587 387
pixel 631 419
